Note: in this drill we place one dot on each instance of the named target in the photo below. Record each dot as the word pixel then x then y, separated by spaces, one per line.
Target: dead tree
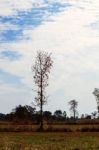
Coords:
pixel 73 107
pixel 96 94
pixel 41 70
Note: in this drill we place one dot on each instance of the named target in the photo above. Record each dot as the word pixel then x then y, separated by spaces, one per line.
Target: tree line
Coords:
pixel 28 114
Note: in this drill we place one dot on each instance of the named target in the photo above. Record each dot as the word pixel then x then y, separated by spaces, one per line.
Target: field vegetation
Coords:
pixel 62 136
pixel 10 127
pixel 49 141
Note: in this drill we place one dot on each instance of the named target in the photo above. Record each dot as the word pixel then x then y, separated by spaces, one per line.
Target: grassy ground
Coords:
pixel 20 137
pixel 49 141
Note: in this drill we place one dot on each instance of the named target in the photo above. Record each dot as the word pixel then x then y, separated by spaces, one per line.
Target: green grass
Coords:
pixel 49 141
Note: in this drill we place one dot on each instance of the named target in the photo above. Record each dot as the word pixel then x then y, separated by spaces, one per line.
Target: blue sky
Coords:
pixel 11 55
pixel 67 28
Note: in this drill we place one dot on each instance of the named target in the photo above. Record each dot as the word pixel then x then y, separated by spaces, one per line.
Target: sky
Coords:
pixel 69 29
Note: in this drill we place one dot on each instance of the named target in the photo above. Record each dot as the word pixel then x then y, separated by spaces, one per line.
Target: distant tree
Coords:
pixel 23 112
pixel 96 94
pixel 73 108
pixel 94 114
pixel 10 116
pixel 87 116
pixel 47 115
pixel 41 70
pixel 30 110
pixel 64 114
pixel 20 112
pixel 2 116
pixel 58 113
pixel 82 116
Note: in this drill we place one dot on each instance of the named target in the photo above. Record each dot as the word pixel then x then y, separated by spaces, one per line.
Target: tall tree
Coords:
pixel 73 107
pixel 41 70
pixel 96 94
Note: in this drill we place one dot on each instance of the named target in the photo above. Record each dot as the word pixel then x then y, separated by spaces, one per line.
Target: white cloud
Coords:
pixel 9 7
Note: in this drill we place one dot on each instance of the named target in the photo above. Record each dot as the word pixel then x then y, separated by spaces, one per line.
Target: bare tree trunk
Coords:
pixel 41 111
pixel 41 118
pixel 74 115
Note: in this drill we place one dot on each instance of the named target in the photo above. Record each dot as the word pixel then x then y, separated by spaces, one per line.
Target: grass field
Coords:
pixel 60 137
pixel 49 141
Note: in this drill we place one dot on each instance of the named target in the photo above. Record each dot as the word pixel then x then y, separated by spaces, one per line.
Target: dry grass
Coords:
pixel 56 137
pixel 49 141
pixel 49 128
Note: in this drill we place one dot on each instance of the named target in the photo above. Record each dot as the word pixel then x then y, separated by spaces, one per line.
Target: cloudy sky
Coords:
pixel 67 28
